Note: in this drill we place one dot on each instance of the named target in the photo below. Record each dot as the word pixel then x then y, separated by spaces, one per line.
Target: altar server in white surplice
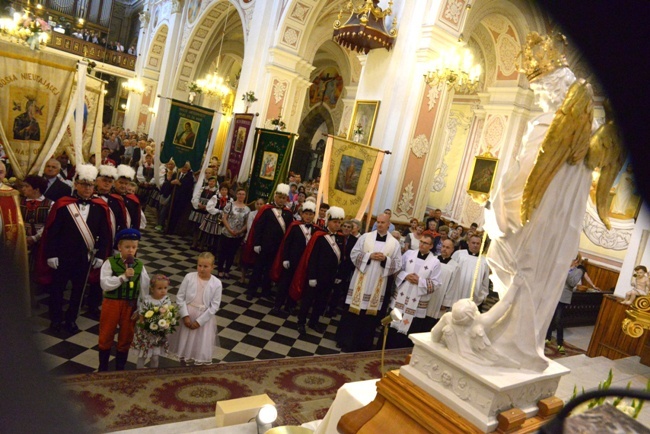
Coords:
pixel 418 280
pixel 376 257
pixel 462 286
pixel 448 270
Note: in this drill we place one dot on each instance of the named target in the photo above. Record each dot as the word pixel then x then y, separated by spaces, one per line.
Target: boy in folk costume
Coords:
pixel 415 284
pixel 125 175
pixel 267 231
pixel 289 254
pixel 376 256
pixel 316 272
pixel 124 280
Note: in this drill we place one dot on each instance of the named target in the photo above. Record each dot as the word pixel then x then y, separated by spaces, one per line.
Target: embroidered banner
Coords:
pixel 188 130
pixel 273 151
pixel 36 96
pixel 349 175
pixel 91 125
pixel 237 144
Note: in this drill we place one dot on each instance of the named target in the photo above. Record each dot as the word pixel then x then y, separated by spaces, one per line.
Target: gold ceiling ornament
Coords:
pixel 543 54
pixel 365 29
pixel 638 317
pixel 455 69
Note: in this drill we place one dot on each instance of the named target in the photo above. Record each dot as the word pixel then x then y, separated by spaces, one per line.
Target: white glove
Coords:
pixel 257 249
pixel 312 283
pixel 337 281
pixel 97 262
pixel 286 264
pixel 53 263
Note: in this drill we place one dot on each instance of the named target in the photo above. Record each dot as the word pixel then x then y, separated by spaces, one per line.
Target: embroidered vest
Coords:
pixel 34 214
pixel 124 291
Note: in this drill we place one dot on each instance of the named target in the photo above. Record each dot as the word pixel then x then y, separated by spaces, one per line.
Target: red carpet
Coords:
pixel 303 388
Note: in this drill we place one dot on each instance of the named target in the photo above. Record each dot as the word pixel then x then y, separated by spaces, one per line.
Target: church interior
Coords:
pixel 436 86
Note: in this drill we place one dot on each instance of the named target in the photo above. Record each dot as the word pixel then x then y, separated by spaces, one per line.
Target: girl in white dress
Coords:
pixel 148 344
pixel 198 300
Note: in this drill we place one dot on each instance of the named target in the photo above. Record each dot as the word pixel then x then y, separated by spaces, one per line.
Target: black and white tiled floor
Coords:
pixel 247 330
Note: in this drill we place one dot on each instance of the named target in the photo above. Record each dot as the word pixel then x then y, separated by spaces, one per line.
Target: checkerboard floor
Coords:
pixel 247 330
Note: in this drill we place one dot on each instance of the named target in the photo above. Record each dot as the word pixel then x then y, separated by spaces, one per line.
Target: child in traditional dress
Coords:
pixel 640 285
pixel 198 300
pixel 199 201
pixel 151 345
pixel 211 225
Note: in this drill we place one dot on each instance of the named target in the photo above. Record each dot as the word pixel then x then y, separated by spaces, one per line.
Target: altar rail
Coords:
pixel 92 51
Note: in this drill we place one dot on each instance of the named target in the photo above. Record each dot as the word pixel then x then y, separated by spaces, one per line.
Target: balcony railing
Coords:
pixel 92 51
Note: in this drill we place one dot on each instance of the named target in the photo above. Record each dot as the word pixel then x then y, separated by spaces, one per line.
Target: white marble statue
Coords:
pixel 535 216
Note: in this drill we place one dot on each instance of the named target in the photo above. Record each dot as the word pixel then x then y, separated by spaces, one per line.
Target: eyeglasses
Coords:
pixel 426 243
pixel 347 227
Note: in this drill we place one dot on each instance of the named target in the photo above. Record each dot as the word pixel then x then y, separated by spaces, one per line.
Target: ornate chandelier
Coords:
pixel 134 85
pixel 365 29
pixel 214 84
pixel 455 69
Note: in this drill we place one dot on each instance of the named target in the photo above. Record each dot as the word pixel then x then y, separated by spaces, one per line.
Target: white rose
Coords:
pixel 153 326
pixel 162 323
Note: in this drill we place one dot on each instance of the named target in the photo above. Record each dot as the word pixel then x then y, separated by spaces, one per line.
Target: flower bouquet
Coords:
pixel 160 320
pixel 249 97
pixel 357 133
pixel 278 123
pixel 193 87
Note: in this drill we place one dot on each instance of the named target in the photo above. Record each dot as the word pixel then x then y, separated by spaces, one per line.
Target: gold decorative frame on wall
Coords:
pixel 482 178
pixel 365 112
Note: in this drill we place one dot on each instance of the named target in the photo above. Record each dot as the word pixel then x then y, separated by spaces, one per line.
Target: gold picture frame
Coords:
pixel 365 114
pixel 482 178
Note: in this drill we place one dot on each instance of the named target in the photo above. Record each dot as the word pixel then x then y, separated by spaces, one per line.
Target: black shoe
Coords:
pixel 278 312
pixel 249 296
pixel 301 329
pixel 318 328
pixel 94 313
pixel 71 328
pixel 267 295
pixel 56 326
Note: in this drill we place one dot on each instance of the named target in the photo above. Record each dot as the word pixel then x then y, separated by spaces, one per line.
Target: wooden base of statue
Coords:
pixel 401 406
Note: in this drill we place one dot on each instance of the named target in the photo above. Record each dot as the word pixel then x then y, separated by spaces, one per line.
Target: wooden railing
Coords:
pixel 92 51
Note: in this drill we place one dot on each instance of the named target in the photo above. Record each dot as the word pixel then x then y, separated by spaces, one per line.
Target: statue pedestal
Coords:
pixel 477 393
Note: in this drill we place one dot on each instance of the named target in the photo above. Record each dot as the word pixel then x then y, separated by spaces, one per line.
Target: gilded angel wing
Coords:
pixel 607 152
pixel 567 140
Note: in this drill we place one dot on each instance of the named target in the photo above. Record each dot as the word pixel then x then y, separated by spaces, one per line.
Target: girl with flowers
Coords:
pixel 158 318
pixel 198 300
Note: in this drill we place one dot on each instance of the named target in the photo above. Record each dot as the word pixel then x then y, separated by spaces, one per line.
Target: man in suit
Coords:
pixel 76 237
pixel 321 262
pixel 182 188
pixel 56 188
pixel 267 231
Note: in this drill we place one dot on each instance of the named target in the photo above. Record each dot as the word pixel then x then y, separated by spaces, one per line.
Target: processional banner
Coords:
pixel 349 175
pixel 271 161
pixel 36 95
pixel 91 127
pixel 236 145
pixel 188 131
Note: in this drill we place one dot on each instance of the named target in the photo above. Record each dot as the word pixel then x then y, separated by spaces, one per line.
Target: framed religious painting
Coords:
pixel 364 117
pixel 482 178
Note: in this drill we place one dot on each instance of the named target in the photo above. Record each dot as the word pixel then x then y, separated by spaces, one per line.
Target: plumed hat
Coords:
pixel 309 206
pixel 86 172
pixel 282 189
pixel 108 171
pixel 335 213
pixel 124 171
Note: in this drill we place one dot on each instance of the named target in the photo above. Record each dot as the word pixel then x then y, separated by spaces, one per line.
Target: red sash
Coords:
pixel 248 255
pixel 276 269
pixel 300 277
pixel 42 272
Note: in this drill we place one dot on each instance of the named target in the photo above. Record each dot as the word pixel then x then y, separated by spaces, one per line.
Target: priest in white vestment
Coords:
pixel 448 269
pixel 415 284
pixel 462 286
pixel 376 257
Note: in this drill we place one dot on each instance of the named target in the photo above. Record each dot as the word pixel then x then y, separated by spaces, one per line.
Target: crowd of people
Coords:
pixel 98 38
pixel 83 224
